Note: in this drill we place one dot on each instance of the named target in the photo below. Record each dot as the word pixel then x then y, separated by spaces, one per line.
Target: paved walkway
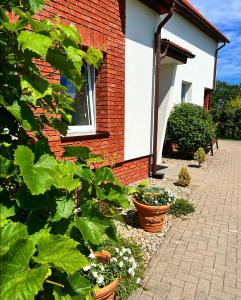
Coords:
pixel 201 256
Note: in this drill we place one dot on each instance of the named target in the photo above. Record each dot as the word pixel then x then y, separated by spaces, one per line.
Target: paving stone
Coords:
pixel 201 256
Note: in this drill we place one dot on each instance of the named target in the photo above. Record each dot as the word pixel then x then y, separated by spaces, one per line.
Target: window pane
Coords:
pixel 83 115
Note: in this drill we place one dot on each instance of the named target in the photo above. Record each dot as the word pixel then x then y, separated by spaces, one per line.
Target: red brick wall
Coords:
pixel 101 23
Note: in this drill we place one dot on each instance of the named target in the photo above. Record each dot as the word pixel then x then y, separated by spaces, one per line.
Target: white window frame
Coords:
pixel 91 100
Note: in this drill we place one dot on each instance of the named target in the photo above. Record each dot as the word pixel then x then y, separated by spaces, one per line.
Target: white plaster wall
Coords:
pixel 199 70
pixel 141 24
pixel 140 28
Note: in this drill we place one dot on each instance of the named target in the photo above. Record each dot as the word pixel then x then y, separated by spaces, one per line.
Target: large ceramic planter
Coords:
pixel 107 292
pixel 151 218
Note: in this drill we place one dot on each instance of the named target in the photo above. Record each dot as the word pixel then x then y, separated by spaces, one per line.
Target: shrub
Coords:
pixel 200 156
pixel 190 126
pixel 184 179
pixel 229 125
pixel 181 207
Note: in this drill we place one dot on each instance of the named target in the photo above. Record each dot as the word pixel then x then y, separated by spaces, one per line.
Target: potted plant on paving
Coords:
pixel 106 270
pixel 152 204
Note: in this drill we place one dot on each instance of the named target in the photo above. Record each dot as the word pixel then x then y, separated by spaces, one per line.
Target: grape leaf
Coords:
pixel 60 252
pixel 9 234
pixel 18 281
pixel 35 42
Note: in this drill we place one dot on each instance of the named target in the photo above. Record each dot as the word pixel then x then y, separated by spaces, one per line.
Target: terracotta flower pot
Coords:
pixel 151 218
pixel 102 256
pixel 107 292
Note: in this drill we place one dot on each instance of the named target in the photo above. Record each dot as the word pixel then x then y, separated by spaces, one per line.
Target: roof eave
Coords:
pixel 160 6
pixel 210 30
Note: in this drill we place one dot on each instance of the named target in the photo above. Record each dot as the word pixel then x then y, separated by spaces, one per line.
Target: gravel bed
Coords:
pixel 150 242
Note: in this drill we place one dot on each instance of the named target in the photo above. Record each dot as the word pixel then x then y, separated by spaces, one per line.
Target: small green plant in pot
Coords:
pixel 184 179
pixel 200 156
pixel 152 204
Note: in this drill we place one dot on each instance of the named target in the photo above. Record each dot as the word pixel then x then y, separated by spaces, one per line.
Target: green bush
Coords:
pixel 200 156
pixel 184 179
pixel 229 125
pixel 190 126
pixel 181 207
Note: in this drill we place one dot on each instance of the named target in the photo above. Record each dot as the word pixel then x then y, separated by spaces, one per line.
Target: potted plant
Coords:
pixel 152 204
pixel 105 270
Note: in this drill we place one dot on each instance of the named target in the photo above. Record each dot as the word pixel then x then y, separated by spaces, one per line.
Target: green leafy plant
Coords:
pixel 200 156
pixel 181 207
pixel 184 179
pixel 190 126
pixel 52 211
pixel 152 195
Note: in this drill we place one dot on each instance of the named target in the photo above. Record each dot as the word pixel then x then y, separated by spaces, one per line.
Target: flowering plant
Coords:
pixel 122 263
pixel 153 195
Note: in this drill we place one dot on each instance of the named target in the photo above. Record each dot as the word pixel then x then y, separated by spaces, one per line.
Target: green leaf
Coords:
pixel 70 32
pixel 81 152
pixel 7 168
pixel 60 252
pixel 59 294
pixel 36 4
pixel 104 174
pixel 91 229
pixel 6 212
pixel 80 285
pixel 10 233
pixel 64 209
pixel 35 42
pixel 94 57
pixel 37 86
pixel 39 177
pixel 18 281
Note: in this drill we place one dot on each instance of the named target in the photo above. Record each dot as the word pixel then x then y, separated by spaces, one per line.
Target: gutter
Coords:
pixel 159 57
pixel 215 64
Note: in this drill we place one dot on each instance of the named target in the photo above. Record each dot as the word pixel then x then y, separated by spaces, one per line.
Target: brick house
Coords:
pixel 117 111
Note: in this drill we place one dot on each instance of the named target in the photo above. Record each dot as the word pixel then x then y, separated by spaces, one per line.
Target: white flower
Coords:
pixel 129 251
pixel 121 253
pixel 134 264
pixel 138 280
pixel 93 265
pixel 117 250
pixel 91 256
pixel 121 264
pixel 95 274
pixel 131 259
pixel 100 279
pixel 125 257
pixel 131 272
pixel 123 249
pixel 113 259
pixel 101 268
pixel 87 268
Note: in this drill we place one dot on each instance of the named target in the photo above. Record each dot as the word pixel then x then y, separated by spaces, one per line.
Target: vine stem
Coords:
pixel 55 283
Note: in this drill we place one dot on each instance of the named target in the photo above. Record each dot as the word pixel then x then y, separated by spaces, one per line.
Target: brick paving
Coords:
pixel 201 255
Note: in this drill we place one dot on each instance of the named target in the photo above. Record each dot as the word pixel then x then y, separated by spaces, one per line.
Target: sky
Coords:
pixel 226 16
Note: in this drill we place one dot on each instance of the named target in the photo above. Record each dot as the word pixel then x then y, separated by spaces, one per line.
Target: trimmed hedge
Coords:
pixel 191 127
pixel 229 125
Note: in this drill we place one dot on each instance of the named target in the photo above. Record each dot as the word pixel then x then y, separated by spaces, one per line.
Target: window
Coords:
pixel 186 95
pixel 83 119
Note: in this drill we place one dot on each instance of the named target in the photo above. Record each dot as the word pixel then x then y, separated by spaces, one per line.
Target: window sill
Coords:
pixel 85 135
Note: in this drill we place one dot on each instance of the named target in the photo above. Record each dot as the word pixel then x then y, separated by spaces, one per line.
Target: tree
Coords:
pixel 223 93
pixel 52 212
